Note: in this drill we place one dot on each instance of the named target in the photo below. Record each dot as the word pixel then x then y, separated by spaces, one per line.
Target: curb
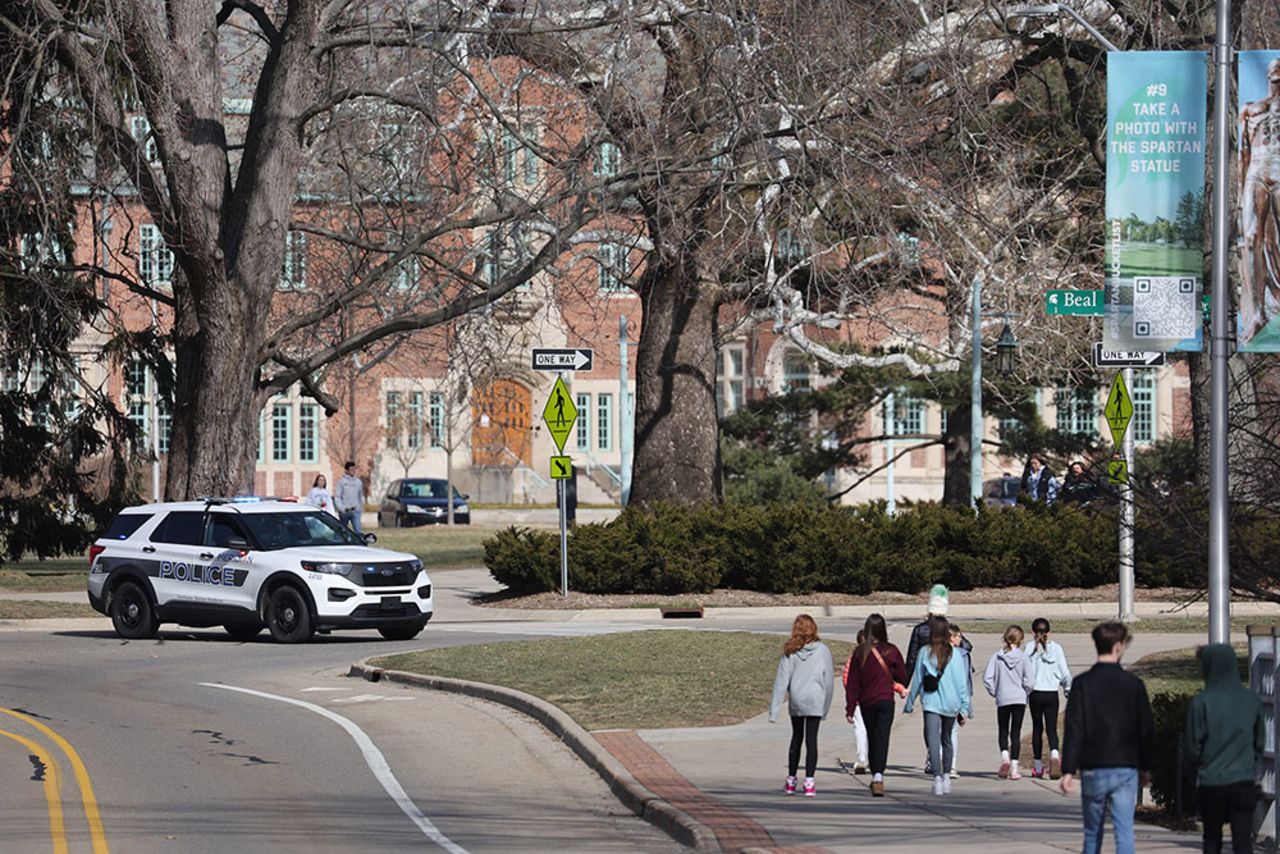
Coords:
pixel 675 822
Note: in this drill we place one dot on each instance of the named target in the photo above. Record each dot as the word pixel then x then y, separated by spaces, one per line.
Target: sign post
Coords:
pixel 1119 412
pixel 559 414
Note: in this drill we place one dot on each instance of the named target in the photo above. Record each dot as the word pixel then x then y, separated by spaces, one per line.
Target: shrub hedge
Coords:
pixel 800 548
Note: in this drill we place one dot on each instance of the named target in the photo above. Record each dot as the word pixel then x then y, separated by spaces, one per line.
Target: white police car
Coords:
pixel 246 565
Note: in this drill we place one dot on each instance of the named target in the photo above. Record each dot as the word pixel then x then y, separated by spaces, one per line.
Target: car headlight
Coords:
pixel 462 508
pixel 328 568
pixel 416 566
pixel 414 508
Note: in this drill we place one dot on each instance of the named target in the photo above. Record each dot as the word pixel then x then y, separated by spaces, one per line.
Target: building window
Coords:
pixel 294 275
pixel 393 419
pixel 730 388
pixel 406 274
pixel 613 268
pixel 165 417
pixel 1007 427
pixel 308 432
pixel 604 422
pixel 281 434
pixel 608 161
pixel 436 415
pixel 1077 411
pixel 502 158
pixel 139 387
pixel 140 128
pixel 583 437
pixel 155 262
pixel 135 378
pixel 1144 407
pixel 795 372
pixel 139 414
pixel 415 420
pixel 262 436
pixel 908 415
pixel 944 419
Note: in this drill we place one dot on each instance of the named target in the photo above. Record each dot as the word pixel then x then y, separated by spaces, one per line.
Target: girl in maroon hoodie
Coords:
pixel 876 673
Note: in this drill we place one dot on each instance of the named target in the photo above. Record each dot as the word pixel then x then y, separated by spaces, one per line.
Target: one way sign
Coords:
pixel 1126 358
pixel 577 359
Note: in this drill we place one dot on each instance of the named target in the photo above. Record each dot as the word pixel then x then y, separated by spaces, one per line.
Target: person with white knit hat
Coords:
pixel 938 604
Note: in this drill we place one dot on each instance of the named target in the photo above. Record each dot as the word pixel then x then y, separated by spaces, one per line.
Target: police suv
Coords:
pixel 245 565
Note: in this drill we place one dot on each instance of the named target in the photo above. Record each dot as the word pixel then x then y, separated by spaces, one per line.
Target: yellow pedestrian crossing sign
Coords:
pixel 561 468
pixel 1117 472
pixel 1119 409
pixel 559 413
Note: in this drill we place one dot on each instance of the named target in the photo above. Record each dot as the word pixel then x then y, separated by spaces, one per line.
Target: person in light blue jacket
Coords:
pixel 1051 671
pixel 806 675
pixel 941 682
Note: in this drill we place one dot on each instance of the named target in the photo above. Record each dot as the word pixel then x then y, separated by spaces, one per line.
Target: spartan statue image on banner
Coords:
pixel 1258 318
pixel 1155 200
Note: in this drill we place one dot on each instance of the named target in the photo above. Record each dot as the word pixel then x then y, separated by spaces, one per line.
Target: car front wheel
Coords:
pixel 131 612
pixel 401 632
pixel 288 616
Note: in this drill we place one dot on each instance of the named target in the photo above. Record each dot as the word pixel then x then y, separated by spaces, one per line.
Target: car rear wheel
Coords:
pixel 131 612
pixel 288 616
pixel 243 631
pixel 401 632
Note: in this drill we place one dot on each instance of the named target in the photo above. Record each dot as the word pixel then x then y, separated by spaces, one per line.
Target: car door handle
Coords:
pixel 206 555
pixel 148 549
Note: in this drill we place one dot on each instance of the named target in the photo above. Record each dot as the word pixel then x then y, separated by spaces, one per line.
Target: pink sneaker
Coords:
pixel 1038 774
pixel 810 790
pixel 1003 772
pixel 789 787
pixel 1014 775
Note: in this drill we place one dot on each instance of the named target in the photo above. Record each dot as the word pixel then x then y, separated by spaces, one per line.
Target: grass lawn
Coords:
pixel 1177 671
pixel 439 546
pixel 636 680
pixel 41 576
pixel 1172 625
pixel 11 609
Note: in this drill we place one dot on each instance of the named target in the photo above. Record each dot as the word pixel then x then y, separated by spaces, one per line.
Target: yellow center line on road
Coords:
pixel 52 794
pixel 96 834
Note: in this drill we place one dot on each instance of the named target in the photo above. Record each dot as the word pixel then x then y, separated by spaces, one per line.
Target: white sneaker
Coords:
pixel 955 775
pixel 939 785
pixel 946 785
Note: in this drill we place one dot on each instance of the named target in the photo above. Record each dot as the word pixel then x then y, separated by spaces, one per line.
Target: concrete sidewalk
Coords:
pixel 743 766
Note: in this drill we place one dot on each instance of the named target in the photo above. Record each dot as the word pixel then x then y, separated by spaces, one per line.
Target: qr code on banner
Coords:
pixel 1164 307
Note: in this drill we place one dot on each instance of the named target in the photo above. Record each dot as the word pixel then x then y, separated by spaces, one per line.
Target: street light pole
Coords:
pixel 1219 556
pixel 1127 613
pixel 975 400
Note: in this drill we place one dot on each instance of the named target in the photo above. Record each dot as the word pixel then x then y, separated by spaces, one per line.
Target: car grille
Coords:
pixel 384 574
pixel 374 611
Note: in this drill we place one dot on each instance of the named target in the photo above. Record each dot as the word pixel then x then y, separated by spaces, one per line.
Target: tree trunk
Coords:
pixel 677 441
pixel 957 445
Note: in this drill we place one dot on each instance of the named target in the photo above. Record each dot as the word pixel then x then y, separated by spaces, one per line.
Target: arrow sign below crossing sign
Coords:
pixel 576 359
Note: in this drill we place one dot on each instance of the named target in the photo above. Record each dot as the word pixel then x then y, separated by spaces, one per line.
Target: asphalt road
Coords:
pixel 178 761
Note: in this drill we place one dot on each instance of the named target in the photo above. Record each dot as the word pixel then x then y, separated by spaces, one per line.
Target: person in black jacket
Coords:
pixel 1078 486
pixel 1108 740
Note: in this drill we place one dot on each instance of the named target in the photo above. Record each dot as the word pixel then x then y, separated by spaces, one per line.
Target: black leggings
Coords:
pixel 1009 719
pixel 807 729
pixel 878 718
pixel 1044 719
pixel 1233 803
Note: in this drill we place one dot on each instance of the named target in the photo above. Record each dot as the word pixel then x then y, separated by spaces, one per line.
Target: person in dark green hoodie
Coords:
pixel 1224 741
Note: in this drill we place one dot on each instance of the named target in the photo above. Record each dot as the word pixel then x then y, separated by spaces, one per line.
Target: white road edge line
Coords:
pixel 373 758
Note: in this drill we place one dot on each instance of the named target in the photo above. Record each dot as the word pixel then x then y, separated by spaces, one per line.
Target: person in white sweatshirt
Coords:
pixel 1052 672
pixel 1009 678
pixel 806 676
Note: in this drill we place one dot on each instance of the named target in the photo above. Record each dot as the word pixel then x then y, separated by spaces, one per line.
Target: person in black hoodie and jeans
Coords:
pixel 1108 740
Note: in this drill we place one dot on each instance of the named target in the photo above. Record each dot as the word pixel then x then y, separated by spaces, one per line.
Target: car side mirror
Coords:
pixel 370 538
pixel 465 497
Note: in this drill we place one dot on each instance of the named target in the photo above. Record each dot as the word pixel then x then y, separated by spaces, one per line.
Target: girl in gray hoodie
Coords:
pixel 806 675
pixel 1009 677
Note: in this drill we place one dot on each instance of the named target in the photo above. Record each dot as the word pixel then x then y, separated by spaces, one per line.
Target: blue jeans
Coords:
pixel 1116 791
pixel 351 518
pixel 937 735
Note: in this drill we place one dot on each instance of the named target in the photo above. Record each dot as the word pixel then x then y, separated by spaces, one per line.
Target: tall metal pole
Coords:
pixel 1126 521
pixel 564 537
pixel 975 411
pixel 1219 557
pixel 890 416
pixel 624 409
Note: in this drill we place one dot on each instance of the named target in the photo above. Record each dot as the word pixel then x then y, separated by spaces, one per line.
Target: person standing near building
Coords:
pixel 806 675
pixel 1108 740
pixel 319 495
pixel 349 498
pixel 1052 672
pixel 876 673
pixel 1224 740
pixel 1009 677
pixel 941 681
pixel 1038 481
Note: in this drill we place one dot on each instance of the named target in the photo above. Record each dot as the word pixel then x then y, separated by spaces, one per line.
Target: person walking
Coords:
pixel 942 683
pixel 859 727
pixel 876 673
pixel 806 675
pixel 1009 677
pixel 1038 481
pixel 939 604
pixel 958 639
pixel 1108 740
pixel 1050 663
pixel 319 495
pixel 1224 739
pixel 1078 485
pixel 349 498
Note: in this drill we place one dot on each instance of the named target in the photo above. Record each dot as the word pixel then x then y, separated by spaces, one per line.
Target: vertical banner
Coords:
pixel 1155 200
pixel 1258 320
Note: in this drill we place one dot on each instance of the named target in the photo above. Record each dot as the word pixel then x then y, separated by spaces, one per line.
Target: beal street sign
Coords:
pixel 1119 409
pixel 577 359
pixel 561 468
pixel 1126 358
pixel 1074 302
pixel 559 413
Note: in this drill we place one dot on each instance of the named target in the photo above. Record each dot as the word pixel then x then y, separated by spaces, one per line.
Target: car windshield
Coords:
pixel 425 489
pixel 286 530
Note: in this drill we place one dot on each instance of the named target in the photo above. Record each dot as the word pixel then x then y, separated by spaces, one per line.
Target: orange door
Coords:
pixel 501 431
